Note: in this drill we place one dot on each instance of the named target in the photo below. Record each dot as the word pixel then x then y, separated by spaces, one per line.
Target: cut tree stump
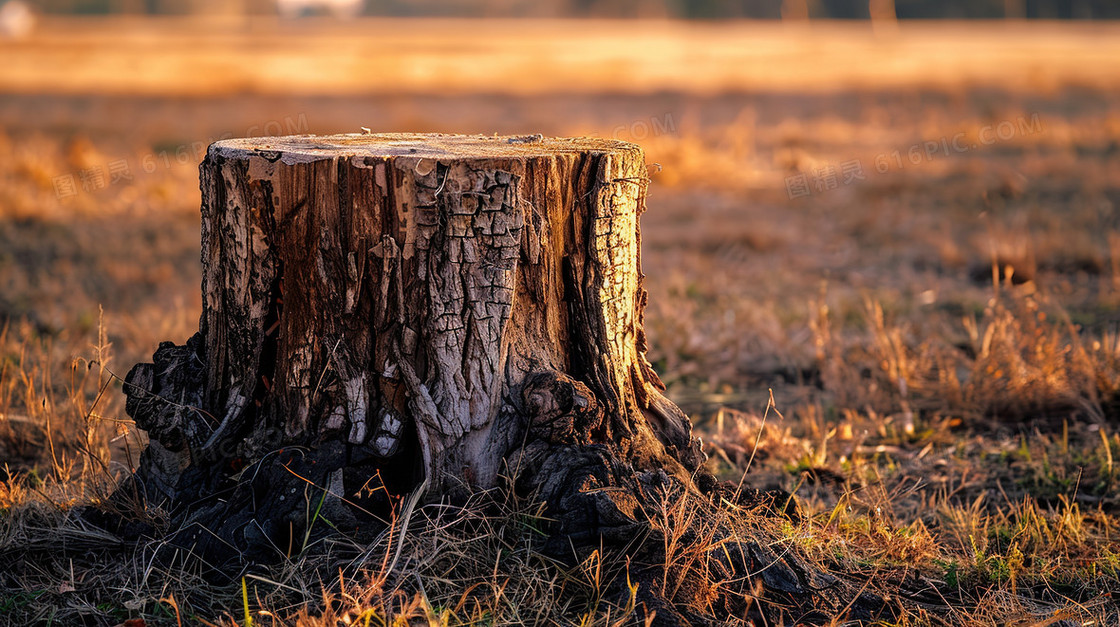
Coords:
pixel 427 314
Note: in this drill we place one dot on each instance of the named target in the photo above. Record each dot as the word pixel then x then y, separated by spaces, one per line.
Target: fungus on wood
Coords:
pixel 423 313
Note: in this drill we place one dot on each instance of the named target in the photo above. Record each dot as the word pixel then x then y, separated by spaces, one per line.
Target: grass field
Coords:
pixel 208 57
pixel 910 239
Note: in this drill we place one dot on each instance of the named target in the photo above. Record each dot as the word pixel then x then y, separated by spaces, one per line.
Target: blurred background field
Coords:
pixel 907 232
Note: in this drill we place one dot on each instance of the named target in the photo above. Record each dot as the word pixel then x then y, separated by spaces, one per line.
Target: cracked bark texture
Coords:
pixel 436 304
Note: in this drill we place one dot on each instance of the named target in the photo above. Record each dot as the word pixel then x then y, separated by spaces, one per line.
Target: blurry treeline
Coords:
pixel 687 9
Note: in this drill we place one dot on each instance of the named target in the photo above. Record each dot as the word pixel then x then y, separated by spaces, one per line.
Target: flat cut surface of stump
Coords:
pixel 428 145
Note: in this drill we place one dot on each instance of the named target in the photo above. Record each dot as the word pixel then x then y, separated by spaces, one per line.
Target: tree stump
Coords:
pixel 426 307
pixel 425 314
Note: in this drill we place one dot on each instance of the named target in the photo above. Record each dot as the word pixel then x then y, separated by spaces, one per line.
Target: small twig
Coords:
pixel 525 139
pixel 199 410
pixel 769 404
pixel 326 367
pixel 340 497
pixel 406 516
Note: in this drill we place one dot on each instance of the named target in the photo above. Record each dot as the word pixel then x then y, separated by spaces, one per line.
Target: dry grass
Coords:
pixel 991 473
pixel 536 56
pixel 941 339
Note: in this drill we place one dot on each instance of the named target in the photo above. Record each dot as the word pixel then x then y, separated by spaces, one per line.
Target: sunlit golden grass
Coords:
pixel 203 57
